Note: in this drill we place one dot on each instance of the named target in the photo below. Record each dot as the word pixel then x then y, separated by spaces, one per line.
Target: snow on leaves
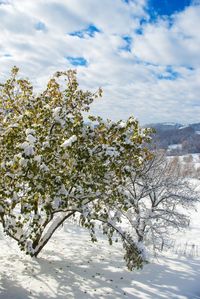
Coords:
pixel 54 166
pixel 69 141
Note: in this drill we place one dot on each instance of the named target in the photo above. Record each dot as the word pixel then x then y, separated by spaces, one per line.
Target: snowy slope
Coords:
pixel 72 267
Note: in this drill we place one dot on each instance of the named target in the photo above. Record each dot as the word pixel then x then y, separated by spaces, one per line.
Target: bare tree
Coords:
pixel 158 200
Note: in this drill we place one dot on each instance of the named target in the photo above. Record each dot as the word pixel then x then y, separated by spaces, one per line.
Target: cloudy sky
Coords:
pixel 145 54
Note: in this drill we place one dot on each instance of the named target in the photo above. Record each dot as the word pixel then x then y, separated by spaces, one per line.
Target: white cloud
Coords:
pixel 173 44
pixel 135 82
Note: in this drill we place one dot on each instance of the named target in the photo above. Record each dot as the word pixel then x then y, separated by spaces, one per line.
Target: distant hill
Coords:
pixel 164 126
pixel 176 138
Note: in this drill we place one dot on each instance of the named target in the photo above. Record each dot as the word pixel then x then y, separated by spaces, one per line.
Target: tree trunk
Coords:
pixel 43 241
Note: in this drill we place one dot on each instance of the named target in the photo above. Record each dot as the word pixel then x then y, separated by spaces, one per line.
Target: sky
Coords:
pixel 145 54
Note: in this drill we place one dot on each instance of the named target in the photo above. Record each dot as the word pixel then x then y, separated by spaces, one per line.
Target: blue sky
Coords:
pixel 167 7
pixel 145 54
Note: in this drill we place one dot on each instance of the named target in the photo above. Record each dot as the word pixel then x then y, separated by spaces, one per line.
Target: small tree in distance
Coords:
pixel 54 166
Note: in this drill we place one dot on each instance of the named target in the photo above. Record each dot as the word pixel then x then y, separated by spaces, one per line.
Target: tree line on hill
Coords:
pixel 167 136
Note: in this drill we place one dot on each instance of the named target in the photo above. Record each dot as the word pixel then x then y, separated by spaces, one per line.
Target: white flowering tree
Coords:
pixel 54 166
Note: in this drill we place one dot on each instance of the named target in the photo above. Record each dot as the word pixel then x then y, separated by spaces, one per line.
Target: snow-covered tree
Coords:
pixel 158 200
pixel 54 165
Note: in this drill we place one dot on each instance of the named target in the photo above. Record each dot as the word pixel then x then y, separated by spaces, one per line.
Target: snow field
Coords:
pixel 72 267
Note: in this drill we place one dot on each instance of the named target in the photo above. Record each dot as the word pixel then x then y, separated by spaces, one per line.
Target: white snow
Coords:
pixel 23 162
pixel 56 203
pixel 28 145
pixel 57 115
pixel 70 266
pixel 30 132
pixel 69 142
pixel 30 138
pixel 44 167
pixel 122 124
pixel 193 159
pixel 28 148
pixel 38 158
pixel 63 190
pixel 175 146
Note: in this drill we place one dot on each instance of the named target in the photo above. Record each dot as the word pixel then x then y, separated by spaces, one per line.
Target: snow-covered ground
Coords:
pixel 175 146
pixel 192 159
pixel 72 267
